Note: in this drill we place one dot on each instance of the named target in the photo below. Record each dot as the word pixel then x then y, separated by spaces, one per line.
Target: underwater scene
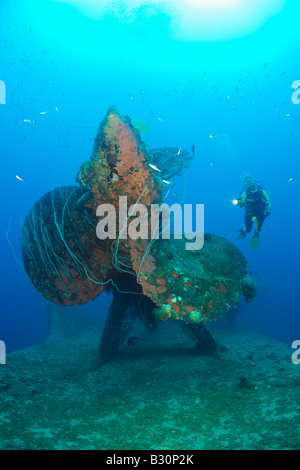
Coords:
pixel 149 225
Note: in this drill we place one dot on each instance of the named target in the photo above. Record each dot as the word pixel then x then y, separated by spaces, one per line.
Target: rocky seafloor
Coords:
pixel 157 394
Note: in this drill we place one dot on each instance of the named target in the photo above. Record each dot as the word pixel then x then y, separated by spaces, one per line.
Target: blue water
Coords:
pixel 55 59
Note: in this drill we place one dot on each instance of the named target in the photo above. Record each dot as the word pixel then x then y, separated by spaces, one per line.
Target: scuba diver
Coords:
pixel 257 208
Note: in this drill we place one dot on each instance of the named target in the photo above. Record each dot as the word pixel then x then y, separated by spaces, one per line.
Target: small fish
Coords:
pixel 132 340
pixel 174 194
pixel 56 108
pixel 26 120
pixel 179 151
pixel 160 119
pixel 18 178
pixel 131 97
pixel 267 63
pixel 43 112
pixel 167 182
pixel 291 179
pixel 154 167
pixel 212 136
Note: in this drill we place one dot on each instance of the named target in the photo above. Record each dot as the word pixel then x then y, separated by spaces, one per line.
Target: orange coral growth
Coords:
pixel 60 266
pixel 175 274
pixel 223 289
pixel 119 164
pixel 189 308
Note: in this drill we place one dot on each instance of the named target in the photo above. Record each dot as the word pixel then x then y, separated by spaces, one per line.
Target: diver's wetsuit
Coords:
pixel 255 204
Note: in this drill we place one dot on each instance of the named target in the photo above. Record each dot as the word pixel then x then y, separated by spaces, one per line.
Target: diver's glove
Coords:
pixel 240 203
pixel 242 233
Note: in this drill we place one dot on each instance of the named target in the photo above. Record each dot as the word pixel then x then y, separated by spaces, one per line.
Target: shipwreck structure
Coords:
pixel 156 279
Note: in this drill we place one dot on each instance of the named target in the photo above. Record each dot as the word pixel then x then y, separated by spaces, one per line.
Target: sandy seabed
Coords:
pixel 158 394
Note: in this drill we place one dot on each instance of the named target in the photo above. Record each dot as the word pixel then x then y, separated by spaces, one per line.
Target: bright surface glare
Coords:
pixel 190 20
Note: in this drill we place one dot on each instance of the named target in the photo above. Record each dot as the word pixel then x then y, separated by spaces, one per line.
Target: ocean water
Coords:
pixel 223 80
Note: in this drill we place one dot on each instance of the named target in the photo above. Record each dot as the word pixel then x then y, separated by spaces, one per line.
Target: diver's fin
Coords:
pixel 254 241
